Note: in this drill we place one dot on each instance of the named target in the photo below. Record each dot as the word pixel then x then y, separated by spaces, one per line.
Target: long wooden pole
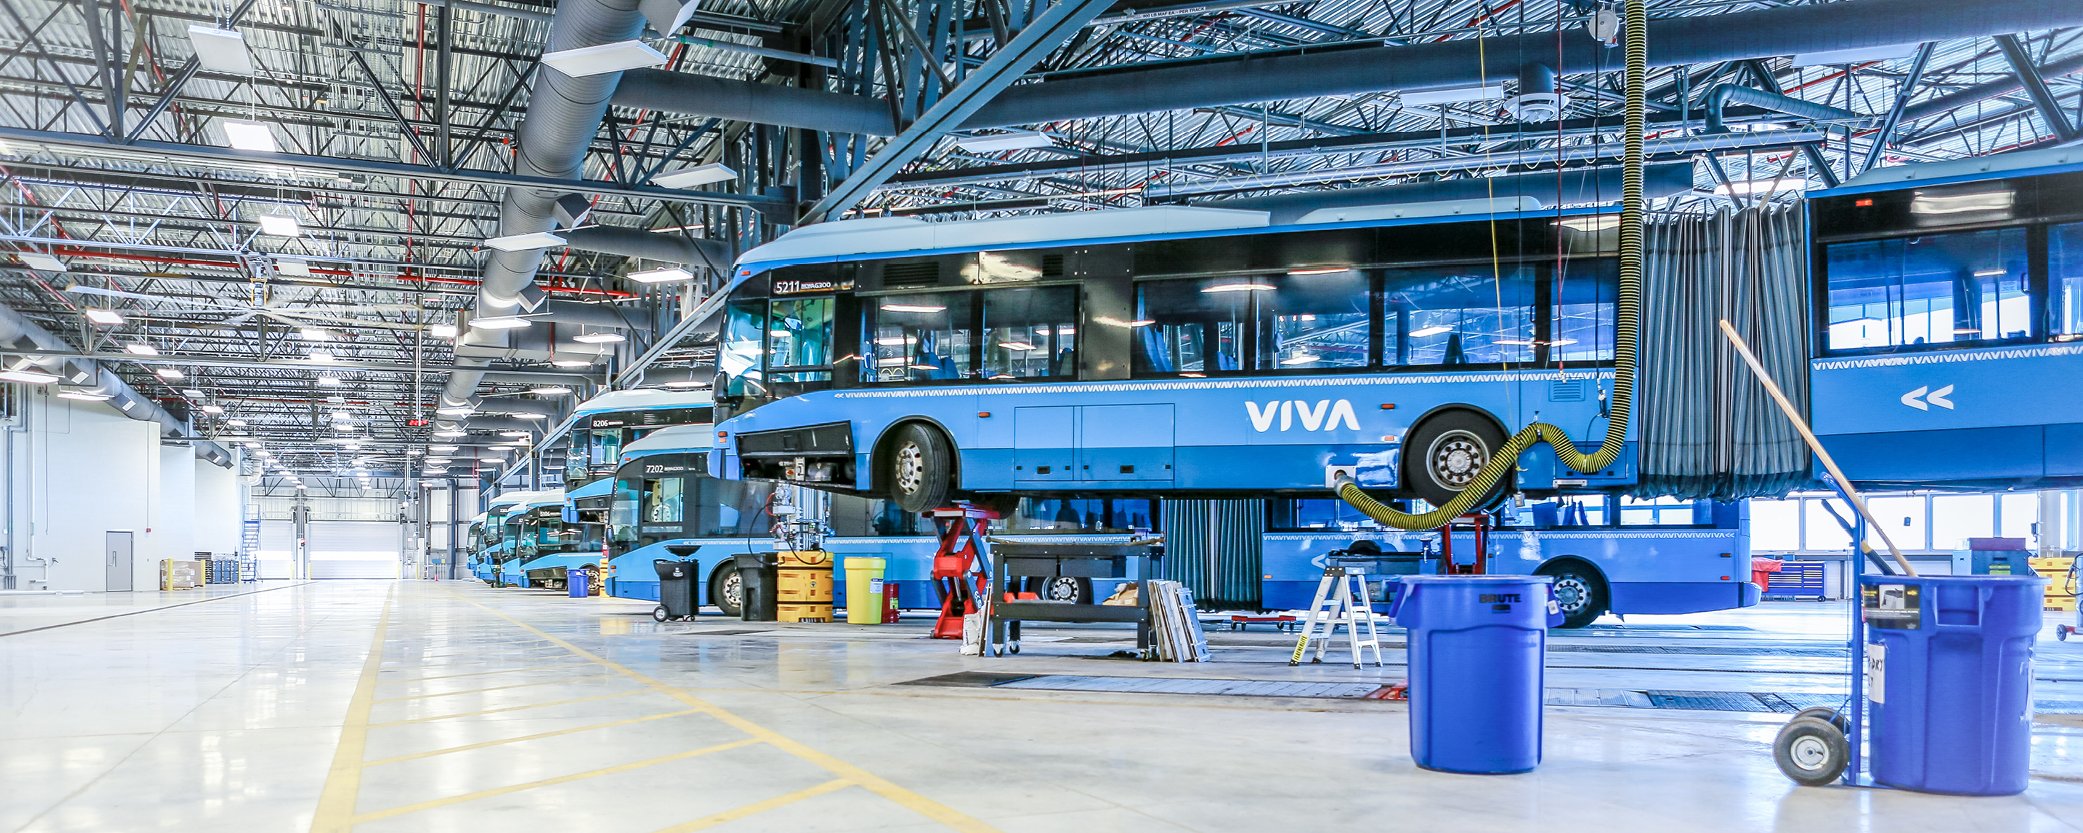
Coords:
pixel 1793 415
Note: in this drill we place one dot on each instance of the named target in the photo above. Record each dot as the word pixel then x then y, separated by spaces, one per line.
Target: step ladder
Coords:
pixel 1341 598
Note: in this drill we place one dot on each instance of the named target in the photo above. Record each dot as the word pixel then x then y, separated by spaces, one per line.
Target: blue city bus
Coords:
pixel 542 545
pixel 603 425
pixel 491 545
pixel 1168 351
pixel 1949 323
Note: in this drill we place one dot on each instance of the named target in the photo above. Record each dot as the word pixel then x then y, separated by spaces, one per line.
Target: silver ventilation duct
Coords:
pixel 16 328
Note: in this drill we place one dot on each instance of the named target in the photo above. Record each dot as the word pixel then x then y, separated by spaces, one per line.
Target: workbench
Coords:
pixel 1014 561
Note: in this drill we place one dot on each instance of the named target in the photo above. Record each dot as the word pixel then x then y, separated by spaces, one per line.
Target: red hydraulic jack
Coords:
pixel 1476 522
pixel 961 565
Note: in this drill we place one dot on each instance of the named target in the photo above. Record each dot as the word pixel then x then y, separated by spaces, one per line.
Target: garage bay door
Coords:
pixel 354 549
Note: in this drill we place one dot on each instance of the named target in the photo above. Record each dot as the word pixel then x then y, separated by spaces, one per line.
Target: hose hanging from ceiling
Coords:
pixel 1627 329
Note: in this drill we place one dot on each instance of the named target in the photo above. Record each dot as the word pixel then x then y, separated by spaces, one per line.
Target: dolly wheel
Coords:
pixel 1828 715
pixel 2061 633
pixel 1811 751
pixel 658 613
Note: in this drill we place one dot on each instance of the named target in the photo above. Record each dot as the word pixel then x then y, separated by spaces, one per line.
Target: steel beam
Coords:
pixel 1026 49
pixel 1886 132
pixel 282 364
pixel 2036 87
pixel 373 167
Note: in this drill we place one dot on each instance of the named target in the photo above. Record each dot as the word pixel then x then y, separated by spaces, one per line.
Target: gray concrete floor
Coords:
pixel 382 706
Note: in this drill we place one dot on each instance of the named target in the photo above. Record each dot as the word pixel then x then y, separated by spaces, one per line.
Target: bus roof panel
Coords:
pixel 532 498
pixel 679 439
pixel 643 399
pixel 1997 166
pixel 893 236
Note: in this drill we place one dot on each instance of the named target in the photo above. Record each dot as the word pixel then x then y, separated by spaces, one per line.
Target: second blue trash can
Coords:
pixel 1478 655
pixel 1949 680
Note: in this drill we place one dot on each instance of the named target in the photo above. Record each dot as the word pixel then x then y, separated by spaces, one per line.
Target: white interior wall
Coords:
pixel 219 508
pixel 83 469
pixel 173 529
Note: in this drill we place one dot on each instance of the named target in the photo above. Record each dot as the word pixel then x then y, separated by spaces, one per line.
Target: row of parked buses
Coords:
pixel 1102 373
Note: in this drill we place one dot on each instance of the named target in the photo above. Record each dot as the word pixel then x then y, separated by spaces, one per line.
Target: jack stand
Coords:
pixel 961 566
pixel 1477 522
pixel 1341 598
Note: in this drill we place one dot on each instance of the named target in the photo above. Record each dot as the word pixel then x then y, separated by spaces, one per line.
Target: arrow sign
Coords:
pixel 1918 398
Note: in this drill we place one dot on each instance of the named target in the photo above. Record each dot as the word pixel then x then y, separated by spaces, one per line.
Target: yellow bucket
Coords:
pixel 864 590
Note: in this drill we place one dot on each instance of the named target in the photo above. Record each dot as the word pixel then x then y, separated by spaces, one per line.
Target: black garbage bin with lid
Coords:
pixel 675 590
pixel 759 585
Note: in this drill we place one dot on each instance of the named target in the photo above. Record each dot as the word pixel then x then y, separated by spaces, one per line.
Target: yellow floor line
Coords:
pixel 395 759
pixel 550 667
pixel 433 694
pixel 543 705
pixel 756 808
pixel 938 812
pixel 548 782
pixel 343 783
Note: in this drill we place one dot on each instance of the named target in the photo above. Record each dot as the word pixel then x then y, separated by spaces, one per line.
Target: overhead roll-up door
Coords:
pixel 354 549
pixel 276 557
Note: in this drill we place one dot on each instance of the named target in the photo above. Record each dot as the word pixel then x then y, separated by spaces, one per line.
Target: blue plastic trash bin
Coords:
pixel 1478 651
pixel 1949 680
pixel 577 582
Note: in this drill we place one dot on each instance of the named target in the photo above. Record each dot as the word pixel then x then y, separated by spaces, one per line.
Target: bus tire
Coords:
pixel 919 469
pixel 1444 452
pixel 1579 590
pixel 1069 589
pixel 727 590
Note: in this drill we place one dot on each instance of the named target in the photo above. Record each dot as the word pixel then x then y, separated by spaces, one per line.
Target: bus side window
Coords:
pixel 1932 289
pixel 920 337
pixel 1458 315
pixel 1192 326
pixel 1582 327
pixel 1030 332
pixel 2065 281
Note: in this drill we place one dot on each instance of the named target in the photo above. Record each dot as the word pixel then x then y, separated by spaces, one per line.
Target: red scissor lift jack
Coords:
pixel 961 565
pixel 1476 522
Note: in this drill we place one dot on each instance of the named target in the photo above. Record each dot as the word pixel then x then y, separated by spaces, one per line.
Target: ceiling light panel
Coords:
pixel 220 50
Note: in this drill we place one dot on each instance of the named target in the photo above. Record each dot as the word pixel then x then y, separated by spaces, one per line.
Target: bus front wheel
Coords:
pixel 1444 453
pixel 919 469
pixel 727 590
pixel 1579 591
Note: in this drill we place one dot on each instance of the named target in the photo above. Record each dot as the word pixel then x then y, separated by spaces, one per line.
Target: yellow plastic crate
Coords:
pixel 2055 569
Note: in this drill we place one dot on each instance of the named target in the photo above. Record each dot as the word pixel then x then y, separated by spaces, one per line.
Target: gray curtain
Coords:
pixel 1706 427
pixel 1214 548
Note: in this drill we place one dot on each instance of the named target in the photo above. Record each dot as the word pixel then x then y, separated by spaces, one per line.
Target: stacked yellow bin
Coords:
pixel 2055 569
pixel 804 586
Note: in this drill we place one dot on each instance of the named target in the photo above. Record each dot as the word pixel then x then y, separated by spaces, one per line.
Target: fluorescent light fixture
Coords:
pixel 84 395
pixel 329 381
pixel 213 409
pixel 522 435
pixel 170 374
pixel 891 341
pixel 1783 185
pixel 1924 203
pixel 342 415
pixel 104 316
pixel 1004 141
pixel 1991 273
pixel 1433 330
pixel 571 363
pixel 293 268
pixel 442 330
pixel 26 376
pixel 919 308
pixel 697 175
pixel 1590 222
pixel 620 56
pixel 1015 345
pixel 442 449
pixel 220 50
pixel 437 461
pixel 1514 342
pixel 492 456
pixel 352 445
pixel 319 356
pixel 314 334
pixel 235 423
pixel 684 383
pixel 336 400
pixel 525 242
pixel 141 349
pixel 249 135
pixel 1239 287
pixel 276 225
pixel 550 391
pixel 450 435
pixel 1859 55
pixel 670 274
pixel 254 445
pixel 599 338
pixel 1453 95
pixel 531 416
pixel 1562 342
pixel 500 322
pixel 1301 358
pixel 192 393
pixel 41 261
pixel 1317 270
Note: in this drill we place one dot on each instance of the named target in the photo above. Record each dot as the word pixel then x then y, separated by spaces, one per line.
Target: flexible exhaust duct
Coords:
pixel 671 248
pixel 16 328
pixel 1318 72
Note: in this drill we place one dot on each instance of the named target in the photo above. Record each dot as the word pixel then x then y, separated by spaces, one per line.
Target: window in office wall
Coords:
pixel 1775 525
pixel 2019 513
pixel 1956 518
pixel 1824 533
pixel 1903 520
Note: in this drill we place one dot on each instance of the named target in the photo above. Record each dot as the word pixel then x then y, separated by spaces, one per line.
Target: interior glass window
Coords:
pixel 800 333
pixel 1458 315
pixel 2065 283
pixel 740 351
pixel 1933 289
pixel 1193 327
pixel 664 500
pixel 1583 328
pixel 1030 333
pixel 1314 321
pixel 920 337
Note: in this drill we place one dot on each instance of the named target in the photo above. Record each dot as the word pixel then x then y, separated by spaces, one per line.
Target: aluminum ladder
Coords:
pixel 1341 598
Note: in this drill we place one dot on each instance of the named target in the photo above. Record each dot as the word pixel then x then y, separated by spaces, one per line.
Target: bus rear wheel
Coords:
pixel 1444 453
pixel 727 590
pixel 1579 591
pixel 919 468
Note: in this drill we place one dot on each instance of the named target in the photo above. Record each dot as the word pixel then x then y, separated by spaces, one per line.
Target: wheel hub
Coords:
pixel 1809 753
pixel 1457 457
pixel 911 468
pixel 1061 590
pixel 1570 593
pixel 733 591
